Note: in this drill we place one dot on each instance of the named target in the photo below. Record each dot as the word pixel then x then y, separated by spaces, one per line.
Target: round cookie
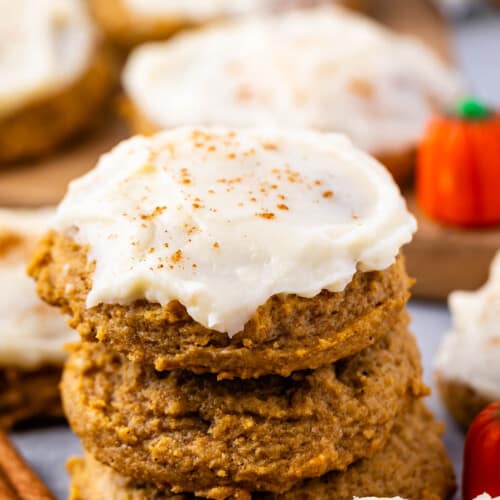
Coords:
pixel 413 464
pixel 58 77
pixel 286 334
pixel 237 253
pixel 378 87
pixel 467 368
pixel 130 22
pixel 195 433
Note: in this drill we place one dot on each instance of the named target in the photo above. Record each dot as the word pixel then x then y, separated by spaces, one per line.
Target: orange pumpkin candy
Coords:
pixel 481 470
pixel 458 167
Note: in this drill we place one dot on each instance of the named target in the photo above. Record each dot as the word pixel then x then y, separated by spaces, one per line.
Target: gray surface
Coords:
pixel 477 44
pixel 47 450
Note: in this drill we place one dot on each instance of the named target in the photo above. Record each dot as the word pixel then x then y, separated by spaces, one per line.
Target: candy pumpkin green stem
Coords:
pixel 458 167
pixel 472 109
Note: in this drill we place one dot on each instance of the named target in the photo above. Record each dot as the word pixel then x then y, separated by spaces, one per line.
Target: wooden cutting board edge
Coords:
pixel 443 259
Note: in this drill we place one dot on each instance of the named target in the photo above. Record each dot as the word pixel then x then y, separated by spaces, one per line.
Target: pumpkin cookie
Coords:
pixel 285 334
pixel 259 252
pixel 31 333
pixel 414 450
pixel 198 434
pixel 467 367
pixel 378 87
pixel 130 22
pixel 54 79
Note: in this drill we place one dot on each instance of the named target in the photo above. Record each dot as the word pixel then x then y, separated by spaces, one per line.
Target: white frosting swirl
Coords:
pixel 45 45
pixel 222 220
pixel 470 353
pixel 322 68
pixel 31 333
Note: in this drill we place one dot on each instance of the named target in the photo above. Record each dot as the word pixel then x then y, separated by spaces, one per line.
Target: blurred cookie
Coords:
pixel 323 68
pixel 31 333
pixel 130 22
pixel 467 364
pixel 55 75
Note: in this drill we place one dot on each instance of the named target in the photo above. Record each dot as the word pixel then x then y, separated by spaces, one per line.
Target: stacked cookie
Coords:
pixel 241 299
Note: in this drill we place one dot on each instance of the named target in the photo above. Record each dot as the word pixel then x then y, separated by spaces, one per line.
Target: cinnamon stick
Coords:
pixel 17 480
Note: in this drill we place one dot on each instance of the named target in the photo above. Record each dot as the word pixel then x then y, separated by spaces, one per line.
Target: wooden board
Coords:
pixel 441 259
pixel 45 182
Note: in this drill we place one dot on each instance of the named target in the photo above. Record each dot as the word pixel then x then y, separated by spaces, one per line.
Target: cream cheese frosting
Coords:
pixel 45 46
pixel 470 353
pixel 222 220
pixel 31 333
pixel 322 68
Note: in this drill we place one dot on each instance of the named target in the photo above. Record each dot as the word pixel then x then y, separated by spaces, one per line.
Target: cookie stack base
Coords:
pixel 413 465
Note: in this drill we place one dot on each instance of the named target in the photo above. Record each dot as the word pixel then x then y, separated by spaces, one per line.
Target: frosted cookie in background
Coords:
pixel 378 87
pixel 467 364
pixel 32 334
pixel 55 75
pixel 130 22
